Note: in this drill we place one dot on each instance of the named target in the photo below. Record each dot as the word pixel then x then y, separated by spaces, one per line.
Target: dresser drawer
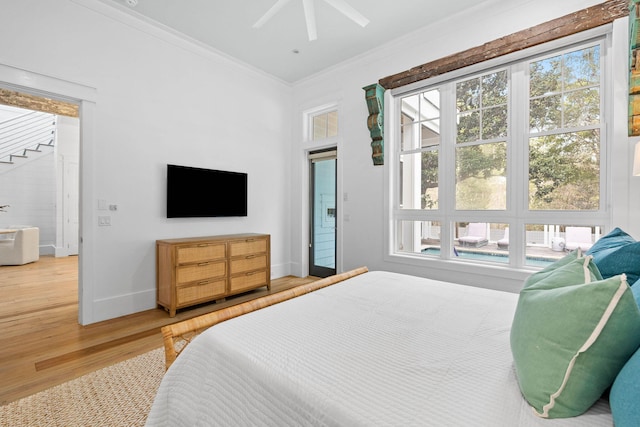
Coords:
pixel 200 271
pixel 247 247
pixel 205 290
pixel 248 263
pixel 247 281
pixel 200 253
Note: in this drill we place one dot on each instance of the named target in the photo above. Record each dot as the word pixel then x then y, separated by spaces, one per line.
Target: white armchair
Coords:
pixel 476 235
pixel 23 248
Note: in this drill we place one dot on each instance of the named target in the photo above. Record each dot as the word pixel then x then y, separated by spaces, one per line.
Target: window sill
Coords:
pixel 480 274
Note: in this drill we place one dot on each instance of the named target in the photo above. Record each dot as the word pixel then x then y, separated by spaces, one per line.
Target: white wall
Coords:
pixel 158 100
pixel 30 186
pixel 30 191
pixel 8 113
pixel 361 218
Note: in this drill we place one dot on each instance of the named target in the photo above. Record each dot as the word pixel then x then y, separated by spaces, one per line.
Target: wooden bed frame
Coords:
pixel 178 335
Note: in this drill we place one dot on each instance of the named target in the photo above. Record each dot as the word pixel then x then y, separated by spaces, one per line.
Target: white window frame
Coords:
pixel 517 213
pixel 309 115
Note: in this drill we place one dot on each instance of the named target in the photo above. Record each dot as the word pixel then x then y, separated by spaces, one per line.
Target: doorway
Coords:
pixel 323 212
pixel 82 97
pixel 40 142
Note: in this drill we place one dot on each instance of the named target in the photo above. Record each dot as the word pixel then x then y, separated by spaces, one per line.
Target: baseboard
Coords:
pixel 280 270
pixel 295 269
pixel 59 252
pixel 47 250
pixel 122 305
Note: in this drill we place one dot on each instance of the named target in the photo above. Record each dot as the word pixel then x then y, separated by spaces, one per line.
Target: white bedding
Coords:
pixel 378 349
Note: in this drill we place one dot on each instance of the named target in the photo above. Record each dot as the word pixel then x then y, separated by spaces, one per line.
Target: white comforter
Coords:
pixel 379 349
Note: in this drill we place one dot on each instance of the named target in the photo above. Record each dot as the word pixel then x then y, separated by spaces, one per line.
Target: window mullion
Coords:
pixel 518 182
pixel 447 168
pixel 606 145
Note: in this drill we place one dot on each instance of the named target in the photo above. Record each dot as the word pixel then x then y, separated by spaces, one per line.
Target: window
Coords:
pixel 564 131
pixel 324 125
pixel 505 165
pixel 481 146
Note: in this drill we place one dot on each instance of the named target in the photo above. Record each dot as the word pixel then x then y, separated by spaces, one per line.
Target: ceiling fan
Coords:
pixel 310 15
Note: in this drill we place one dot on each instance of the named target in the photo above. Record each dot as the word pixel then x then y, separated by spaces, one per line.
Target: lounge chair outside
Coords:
pixel 476 235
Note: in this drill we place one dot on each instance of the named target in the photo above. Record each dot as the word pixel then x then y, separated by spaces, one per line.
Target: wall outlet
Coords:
pixel 104 221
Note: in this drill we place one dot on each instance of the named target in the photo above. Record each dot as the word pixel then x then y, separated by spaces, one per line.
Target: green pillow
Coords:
pixel 550 269
pixel 571 334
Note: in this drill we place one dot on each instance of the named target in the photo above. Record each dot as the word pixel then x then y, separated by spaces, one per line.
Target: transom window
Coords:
pixel 503 165
pixel 324 125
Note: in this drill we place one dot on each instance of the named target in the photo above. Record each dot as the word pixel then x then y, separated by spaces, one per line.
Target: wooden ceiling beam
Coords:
pixel 37 103
pixel 567 25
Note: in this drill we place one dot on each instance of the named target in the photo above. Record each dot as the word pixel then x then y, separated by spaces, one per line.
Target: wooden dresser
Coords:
pixel 195 270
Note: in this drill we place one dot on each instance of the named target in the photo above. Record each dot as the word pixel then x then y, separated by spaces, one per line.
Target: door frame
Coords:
pixel 32 83
pixel 324 154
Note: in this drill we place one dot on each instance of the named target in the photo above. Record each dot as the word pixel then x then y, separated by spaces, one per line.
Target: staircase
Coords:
pixel 25 137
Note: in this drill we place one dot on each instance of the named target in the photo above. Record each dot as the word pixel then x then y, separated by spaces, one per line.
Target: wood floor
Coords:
pixel 42 343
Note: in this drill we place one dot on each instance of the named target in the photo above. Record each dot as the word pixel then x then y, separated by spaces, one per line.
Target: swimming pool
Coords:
pixel 490 256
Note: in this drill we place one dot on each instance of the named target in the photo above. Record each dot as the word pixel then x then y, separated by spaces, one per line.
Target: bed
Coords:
pixel 376 348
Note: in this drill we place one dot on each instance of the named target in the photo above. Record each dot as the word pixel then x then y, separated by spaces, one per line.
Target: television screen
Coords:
pixel 196 192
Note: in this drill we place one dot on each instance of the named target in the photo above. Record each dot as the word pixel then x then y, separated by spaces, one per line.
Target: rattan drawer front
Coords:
pixel 201 271
pixel 248 263
pixel 200 253
pixel 205 290
pixel 248 246
pixel 248 280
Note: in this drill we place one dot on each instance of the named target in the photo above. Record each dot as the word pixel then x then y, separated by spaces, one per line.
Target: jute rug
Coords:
pixel 119 395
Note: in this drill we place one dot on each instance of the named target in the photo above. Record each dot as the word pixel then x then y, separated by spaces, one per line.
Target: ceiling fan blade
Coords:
pixel 274 9
pixel 347 10
pixel 310 18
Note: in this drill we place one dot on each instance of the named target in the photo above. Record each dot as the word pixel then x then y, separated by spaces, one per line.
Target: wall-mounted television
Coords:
pixel 198 193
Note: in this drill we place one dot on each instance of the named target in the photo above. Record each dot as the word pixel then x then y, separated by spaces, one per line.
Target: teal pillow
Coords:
pixel 635 288
pixel 625 394
pixel 617 253
pixel 572 333
pixel 608 243
pixel 625 259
